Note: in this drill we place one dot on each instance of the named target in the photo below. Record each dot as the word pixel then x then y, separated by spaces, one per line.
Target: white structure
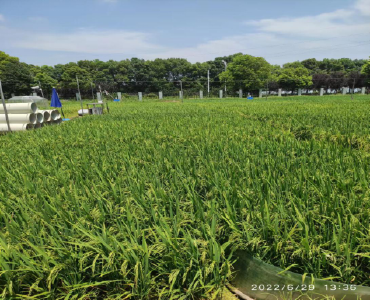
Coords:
pixel 160 95
pixel 26 116
pixel 39 118
pixel 279 92
pixel 344 90
pixel 78 96
pixel 240 93
pixel 220 94
pixel 299 92
pixel 363 90
pixel 25 99
pixel 16 127
pixel 260 93
pixel 140 94
pixel 321 91
pixel 46 114
pixel 19 108
pixel 19 118
pixel 201 94
pixel 99 97
pixel 119 95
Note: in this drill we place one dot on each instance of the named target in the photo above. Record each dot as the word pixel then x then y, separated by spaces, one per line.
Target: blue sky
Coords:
pixel 59 31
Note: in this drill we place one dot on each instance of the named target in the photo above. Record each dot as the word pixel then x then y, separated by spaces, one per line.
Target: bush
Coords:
pixel 152 96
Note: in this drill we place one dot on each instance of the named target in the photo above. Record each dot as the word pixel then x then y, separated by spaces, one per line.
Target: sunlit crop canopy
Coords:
pixel 21 99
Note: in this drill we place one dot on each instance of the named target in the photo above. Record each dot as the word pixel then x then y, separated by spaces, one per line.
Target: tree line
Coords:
pixel 168 75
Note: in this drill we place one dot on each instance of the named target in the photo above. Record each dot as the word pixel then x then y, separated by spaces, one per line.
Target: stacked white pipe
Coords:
pixel 26 116
pixel 52 117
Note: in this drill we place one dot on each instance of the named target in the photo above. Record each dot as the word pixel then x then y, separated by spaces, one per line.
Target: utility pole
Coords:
pixel 353 88
pixel 4 105
pixel 208 81
pixel 79 93
pixel 100 92
pixel 225 71
pixel 42 93
pixel 92 90
pixel 182 93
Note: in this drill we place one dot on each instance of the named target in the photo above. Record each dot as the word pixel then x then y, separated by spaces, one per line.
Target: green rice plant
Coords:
pixel 151 200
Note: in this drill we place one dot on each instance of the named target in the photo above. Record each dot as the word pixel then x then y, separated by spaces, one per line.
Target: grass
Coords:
pixel 151 200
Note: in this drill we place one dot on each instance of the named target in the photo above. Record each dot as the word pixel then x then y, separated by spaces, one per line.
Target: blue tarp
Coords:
pixel 55 102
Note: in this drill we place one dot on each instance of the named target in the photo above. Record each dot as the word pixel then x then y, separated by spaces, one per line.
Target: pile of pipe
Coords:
pixel 26 116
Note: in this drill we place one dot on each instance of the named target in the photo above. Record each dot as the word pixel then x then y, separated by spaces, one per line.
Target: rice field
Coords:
pixel 152 200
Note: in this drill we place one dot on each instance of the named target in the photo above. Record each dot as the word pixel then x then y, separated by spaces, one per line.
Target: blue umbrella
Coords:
pixel 55 102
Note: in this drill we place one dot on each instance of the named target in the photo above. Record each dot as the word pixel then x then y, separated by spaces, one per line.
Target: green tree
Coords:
pixel 366 68
pixel 311 64
pixel 68 79
pixel 294 77
pixel 246 71
pixel 46 81
pixel 15 76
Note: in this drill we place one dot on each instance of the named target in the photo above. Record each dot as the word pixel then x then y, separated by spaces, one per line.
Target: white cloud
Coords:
pixel 340 33
pixel 363 6
pixel 323 25
pixel 2 18
pixel 83 41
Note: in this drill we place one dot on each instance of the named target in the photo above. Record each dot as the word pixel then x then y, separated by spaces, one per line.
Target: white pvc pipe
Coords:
pixel 20 108
pixel 19 118
pixel 16 127
pixel 39 118
pixel 46 114
pixel 57 114
pixel 54 114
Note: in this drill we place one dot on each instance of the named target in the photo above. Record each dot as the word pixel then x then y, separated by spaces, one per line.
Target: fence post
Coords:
pixel 98 96
pixel 140 94
pixel 160 94
pixel 220 94
pixel 201 94
pixel 321 91
pixel 363 90
pixel 4 106
pixel 279 92
pixel 240 93
pixel 299 92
